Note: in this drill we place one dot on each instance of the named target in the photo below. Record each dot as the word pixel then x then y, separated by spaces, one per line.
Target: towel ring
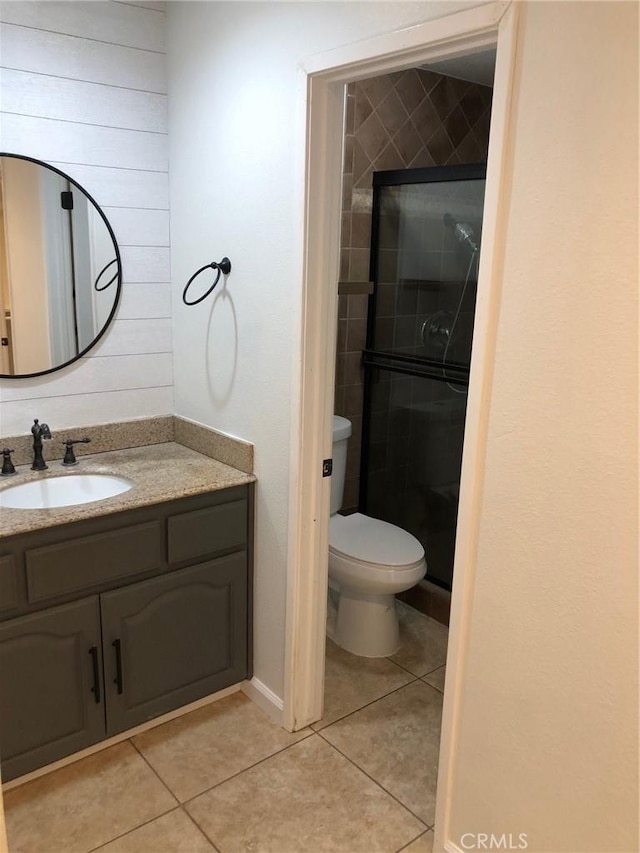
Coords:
pixel 223 267
pixel 101 273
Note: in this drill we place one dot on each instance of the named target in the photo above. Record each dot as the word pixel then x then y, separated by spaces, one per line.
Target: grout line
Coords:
pixel 116 355
pixel 154 771
pixel 375 781
pixel 141 6
pixel 431 671
pixel 86 123
pixel 88 393
pixel 432 686
pixel 367 704
pixel 200 829
pixel 137 320
pixel 133 207
pixel 125 355
pixel 85 38
pixel 82 80
pixel 422 834
pixel 119 168
pixel 143 246
pixel 118 319
pixel 133 829
pixel 128 283
pixel 407 670
pixel 249 767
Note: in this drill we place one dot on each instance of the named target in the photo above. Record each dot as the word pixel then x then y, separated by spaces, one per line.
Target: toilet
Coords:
pixel 369 562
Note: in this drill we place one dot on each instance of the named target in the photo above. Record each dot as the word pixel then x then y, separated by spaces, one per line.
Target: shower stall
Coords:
pixel 426 231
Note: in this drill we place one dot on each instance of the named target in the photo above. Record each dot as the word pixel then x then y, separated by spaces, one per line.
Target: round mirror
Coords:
pixel 60 269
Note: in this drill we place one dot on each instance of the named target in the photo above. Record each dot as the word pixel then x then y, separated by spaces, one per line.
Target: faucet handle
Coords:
pixel 41 430
pixel 8 468
pixel 69 455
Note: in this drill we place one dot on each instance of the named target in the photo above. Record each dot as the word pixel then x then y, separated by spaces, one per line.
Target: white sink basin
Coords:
pixel 68 490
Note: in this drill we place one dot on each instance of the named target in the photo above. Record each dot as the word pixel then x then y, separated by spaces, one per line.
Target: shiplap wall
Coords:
pixel 83 87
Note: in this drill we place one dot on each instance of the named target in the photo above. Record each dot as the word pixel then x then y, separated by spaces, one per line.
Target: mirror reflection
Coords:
pixel 60 270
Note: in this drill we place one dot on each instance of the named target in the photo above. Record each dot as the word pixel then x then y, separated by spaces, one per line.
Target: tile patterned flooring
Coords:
pixel 225 778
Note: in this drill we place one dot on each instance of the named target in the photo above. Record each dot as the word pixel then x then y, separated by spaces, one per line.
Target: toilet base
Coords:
pixel 365 624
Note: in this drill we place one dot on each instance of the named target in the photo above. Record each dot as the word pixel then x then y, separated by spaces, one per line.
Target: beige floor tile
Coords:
pixel 397 742
pixel 423 641
pixel 207 746
pixel 85 804
pixel 172 833
pixel 436 678
pixel 351 682
pixel 424 844
pixel 307 798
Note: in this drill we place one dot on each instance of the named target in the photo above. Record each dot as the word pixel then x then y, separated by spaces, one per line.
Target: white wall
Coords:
pixel 83 87
pixel 547 729
pixel 547 738
pixel 548 721
pixel 235 190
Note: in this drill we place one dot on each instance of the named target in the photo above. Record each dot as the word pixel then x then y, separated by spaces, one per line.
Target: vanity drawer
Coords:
pixel 78 564
pixel 202 532
pixel 8 584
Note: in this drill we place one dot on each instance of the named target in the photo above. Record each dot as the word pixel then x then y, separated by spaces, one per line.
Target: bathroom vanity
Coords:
pixel 117 611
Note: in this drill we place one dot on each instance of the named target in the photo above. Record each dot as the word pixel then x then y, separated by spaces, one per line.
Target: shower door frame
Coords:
pixel 321 83
pixel 408 365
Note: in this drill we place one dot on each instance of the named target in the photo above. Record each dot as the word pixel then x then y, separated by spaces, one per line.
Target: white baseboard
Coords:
pixel 265 699
pixel 450 847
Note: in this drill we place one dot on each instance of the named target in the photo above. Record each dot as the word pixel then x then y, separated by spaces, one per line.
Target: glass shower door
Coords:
pixel 425 247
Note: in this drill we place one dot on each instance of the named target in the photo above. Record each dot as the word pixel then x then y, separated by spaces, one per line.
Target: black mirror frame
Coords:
pixel 118 258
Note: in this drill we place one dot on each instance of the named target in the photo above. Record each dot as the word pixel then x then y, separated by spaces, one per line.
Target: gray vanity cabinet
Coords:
pixel 51 676
pixel 111 621
pixel 172 639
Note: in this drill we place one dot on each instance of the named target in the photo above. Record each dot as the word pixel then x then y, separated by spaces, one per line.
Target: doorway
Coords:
pixel 405 269
pixel 322 97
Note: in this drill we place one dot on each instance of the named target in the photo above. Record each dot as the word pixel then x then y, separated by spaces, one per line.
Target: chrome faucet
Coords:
pixel 39 431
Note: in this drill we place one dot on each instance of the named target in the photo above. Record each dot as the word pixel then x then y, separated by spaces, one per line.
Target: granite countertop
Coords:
pixel 160 472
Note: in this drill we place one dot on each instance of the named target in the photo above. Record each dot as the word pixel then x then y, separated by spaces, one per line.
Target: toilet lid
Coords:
pixel 371 540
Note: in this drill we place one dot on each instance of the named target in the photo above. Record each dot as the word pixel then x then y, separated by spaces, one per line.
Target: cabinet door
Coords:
pixel 174 639
pixel 50 686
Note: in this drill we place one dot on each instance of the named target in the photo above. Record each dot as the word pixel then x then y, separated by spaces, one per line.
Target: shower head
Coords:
pixel 462 230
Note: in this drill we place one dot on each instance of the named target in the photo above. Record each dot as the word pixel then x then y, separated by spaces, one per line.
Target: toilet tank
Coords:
pixel 341 433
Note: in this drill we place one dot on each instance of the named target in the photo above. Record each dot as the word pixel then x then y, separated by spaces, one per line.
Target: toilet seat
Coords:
pixel 371 543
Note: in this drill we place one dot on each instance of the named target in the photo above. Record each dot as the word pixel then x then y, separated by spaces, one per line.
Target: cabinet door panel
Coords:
pixel 181 636
pixel 8 584
pixel 49 706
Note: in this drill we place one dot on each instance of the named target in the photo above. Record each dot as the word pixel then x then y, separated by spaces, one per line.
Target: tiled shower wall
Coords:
pixel 404 120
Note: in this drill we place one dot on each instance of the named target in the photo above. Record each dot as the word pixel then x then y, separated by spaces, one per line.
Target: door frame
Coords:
pixel 321 82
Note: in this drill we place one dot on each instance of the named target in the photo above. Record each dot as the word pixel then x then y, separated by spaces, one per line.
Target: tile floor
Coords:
pixel 225 778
